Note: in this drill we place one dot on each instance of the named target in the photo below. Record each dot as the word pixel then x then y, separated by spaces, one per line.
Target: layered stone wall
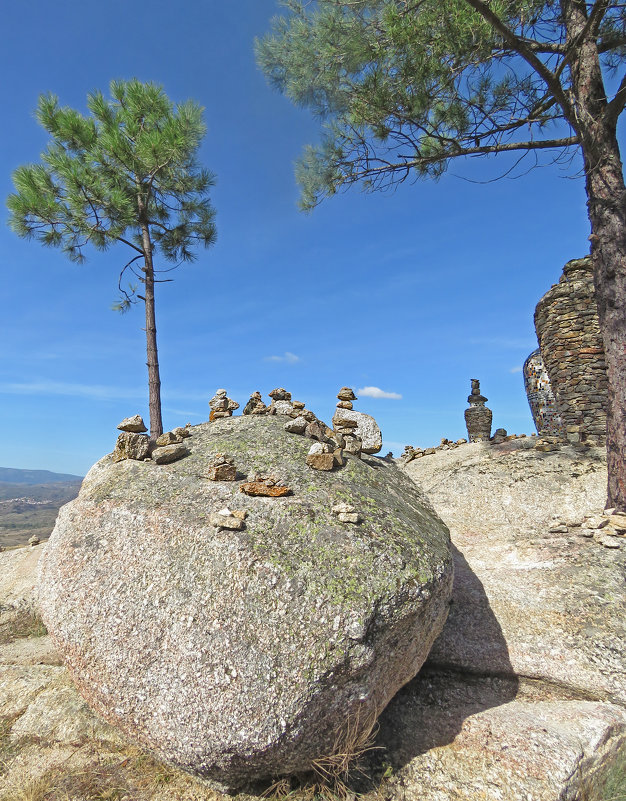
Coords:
pixel 568 331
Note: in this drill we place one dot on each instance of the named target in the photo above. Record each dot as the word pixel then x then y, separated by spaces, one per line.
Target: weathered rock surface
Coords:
pixel 131 446
pixel 134 425
pixel 524 692
pixel 240 654
pixel 367 428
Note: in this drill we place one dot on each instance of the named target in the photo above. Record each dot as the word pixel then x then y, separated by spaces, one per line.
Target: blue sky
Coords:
pixel 413 292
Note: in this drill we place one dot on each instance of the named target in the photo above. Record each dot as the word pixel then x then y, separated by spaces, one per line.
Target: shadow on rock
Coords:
pixel 468 671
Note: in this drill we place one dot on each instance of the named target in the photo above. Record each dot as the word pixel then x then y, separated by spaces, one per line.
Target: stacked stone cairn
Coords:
pixel 346 513
pixel 478 416
pixel 227 519
pixel 281 402
pixel 255 405
pixel 222 468
pixel 134 444
pixel 327 452
pixel 221 405
pixel 345 426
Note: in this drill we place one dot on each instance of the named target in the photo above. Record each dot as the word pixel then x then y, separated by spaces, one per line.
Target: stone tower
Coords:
pixel 568 331
pixel 478 416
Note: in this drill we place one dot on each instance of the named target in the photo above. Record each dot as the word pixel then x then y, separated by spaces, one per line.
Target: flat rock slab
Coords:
pixel 18 577
pixel 549 606
pixel 523 693
pixel 464 738
pixel 240 655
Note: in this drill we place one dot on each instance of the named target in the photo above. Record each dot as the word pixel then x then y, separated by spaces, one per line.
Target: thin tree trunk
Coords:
pixel 154 379
pixel 606 202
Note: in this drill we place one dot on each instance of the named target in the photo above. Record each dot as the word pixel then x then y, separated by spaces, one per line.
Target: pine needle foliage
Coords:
pixel 404 86
pixel 126 172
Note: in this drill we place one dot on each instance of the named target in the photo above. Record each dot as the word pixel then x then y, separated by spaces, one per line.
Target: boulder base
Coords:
pixel 239 655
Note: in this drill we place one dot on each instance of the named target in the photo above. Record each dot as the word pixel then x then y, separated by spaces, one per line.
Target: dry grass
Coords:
pixel 129 775
pixel 333 773
pixel 20 624
pixel 608 783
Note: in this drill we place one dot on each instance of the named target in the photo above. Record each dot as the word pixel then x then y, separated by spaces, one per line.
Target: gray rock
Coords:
pixel 169 438
pixel 250 649
pixel 367 429
pixel 282 407
pixel 296 426
pixel 131 446
pixel 134 425
pixel 169 453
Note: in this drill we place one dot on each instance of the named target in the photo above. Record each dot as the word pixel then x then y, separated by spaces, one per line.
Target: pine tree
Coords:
pixel 126 173
pixel 406 86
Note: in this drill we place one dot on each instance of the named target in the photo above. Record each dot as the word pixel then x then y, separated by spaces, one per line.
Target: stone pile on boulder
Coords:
pixel 221 405
pixel 255 405
pixel 281 402
pixel 240 650
pixel 132 443
pixel 222 468
pixel 135 445
pixel 360 431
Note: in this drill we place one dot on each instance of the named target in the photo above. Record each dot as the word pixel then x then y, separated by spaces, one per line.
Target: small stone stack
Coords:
pixel 227 519
pixel 222 468
pixel 321 456
pixel 255 405
pixel 132 443
pixel 345 426
pixel 478 416
pixel 221 405
pixel 281 402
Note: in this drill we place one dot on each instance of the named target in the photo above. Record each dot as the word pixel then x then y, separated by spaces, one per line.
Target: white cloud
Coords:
pixel 288 358
pixel 517 369
pixel 92 391
pixel 376 392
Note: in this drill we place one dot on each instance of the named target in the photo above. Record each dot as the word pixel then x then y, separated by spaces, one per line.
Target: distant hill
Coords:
pixel 30 501
pixel 13 476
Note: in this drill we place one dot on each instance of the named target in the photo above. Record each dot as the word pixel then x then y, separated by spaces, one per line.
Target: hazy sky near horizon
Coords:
pixel 411 292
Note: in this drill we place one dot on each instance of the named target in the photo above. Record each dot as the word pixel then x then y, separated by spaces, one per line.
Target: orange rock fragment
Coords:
pixel 259 488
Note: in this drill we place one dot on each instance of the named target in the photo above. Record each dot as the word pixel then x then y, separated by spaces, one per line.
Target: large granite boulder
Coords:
pixel 241 653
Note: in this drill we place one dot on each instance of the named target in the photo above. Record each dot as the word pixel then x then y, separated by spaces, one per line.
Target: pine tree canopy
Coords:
pixel 130 162
pixel 404 86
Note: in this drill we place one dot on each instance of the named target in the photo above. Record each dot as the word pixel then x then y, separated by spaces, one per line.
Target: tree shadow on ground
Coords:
pixel 468 671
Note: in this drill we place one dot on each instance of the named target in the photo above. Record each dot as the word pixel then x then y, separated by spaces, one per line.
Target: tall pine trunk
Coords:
pixel 154 378
pixel 607 212
pixel 606 203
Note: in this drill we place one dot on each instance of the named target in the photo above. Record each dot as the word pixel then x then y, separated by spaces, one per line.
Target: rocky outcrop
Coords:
pixel 234 634
pixel 524 692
